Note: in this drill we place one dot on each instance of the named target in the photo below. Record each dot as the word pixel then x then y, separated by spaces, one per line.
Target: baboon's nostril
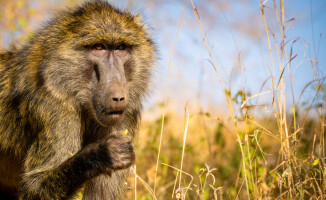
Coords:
pixel 117 99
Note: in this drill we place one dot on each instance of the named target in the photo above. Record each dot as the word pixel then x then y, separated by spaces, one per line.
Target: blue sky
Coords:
pixel 192 75
pixel 231 28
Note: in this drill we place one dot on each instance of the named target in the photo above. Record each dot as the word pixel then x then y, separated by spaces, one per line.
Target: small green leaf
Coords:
pixel 21 4
pixel 22 22
pixel 191 116
pixel 227 93
pixel 125 133
pixel 31 11
pixel 316 162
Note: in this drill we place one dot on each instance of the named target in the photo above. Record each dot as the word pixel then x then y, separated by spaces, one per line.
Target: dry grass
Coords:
pixel 278 156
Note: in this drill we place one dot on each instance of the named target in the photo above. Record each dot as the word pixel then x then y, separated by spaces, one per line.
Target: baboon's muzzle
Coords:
pixel 111 91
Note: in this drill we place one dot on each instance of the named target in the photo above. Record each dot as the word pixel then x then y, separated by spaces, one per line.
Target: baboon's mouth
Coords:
pixel 107 116
pixel 112 112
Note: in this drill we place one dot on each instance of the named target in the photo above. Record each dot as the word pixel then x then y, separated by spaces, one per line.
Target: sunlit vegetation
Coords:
pixel 274 150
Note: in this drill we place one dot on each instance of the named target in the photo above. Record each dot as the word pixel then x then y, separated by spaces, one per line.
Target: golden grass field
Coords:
pixel 201 155
pixel 233 154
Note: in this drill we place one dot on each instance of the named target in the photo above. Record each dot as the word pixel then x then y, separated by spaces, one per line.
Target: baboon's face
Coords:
pixel 108 77
pixel 101 57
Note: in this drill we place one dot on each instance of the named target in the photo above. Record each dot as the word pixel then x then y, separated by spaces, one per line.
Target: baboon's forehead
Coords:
pixel 100 21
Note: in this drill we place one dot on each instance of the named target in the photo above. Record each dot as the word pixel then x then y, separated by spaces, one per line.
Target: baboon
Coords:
pixel 66 97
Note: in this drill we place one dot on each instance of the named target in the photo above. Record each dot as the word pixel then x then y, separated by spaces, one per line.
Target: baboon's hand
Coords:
pixel 120 151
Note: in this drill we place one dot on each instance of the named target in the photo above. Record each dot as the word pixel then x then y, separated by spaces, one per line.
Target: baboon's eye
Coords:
pixel 99 49
pixel 121 46
pixel 99 46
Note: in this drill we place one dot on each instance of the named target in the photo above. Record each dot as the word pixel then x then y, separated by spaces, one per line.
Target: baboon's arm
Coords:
pixel 56 166
pixel 53 162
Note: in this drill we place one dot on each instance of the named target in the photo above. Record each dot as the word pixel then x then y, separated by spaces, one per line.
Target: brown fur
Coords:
pixel 51 144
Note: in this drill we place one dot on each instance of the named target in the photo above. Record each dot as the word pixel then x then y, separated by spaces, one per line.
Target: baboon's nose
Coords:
pixel 117 98
pixel 117 95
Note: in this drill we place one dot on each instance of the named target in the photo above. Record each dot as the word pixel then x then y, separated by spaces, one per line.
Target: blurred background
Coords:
pixel 238 96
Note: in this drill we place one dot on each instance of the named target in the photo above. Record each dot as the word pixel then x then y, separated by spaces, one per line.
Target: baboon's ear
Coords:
pixel 140 22
pixel 139 19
